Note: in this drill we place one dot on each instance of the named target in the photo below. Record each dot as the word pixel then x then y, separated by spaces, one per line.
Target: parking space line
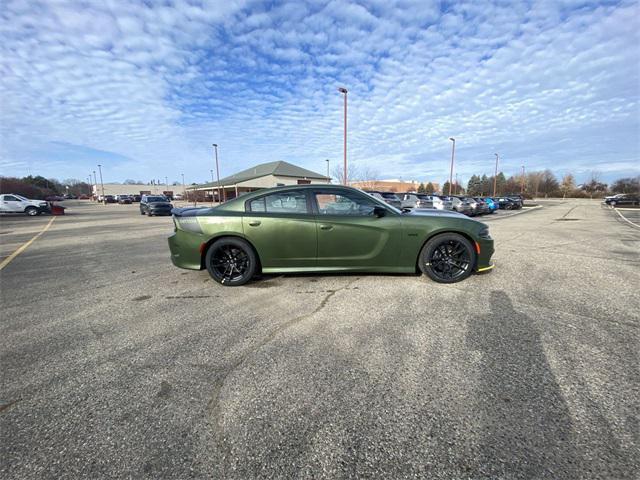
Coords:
pixel 22 248
pixel 625 218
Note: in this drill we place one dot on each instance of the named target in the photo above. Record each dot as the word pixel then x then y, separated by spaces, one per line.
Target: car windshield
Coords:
pixel 156 199
pixel 19 196
pixel 424 197
pixel 391 196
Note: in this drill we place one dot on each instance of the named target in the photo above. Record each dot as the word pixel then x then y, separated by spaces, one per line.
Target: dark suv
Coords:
pixel 155 205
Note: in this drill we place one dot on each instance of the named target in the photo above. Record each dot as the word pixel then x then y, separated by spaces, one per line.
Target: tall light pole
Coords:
pixel 328 177
pixel 166 182
pixel 495 176
pixel 104 201
pixel 224 194
pixel 95 182
pixel 453 152
pixel 212 182
pixel 522 185
pixel 184 188
pixel 345 176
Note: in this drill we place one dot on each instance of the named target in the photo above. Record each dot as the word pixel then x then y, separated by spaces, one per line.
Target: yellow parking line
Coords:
pixel 7 260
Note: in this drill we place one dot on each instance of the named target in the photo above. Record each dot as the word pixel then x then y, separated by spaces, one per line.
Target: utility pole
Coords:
pixel 522 186
pixel 328 177
pixel 345 176
pixel 104 201
pixel 95 182
pixel 184 188
pixel 495 177
pixel 453 152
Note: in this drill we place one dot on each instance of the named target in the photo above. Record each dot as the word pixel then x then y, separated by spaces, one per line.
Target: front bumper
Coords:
pixel 160 211
pixel 486 250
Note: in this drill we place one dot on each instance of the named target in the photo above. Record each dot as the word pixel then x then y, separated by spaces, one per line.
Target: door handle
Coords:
pixel 254 223
pixel 326 227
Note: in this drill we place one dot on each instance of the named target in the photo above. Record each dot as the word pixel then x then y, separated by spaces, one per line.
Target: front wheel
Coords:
pixel 31 211
pixel 447 258
pixel 231 261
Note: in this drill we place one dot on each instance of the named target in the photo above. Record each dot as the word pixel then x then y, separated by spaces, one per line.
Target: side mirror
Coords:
pixel 379 211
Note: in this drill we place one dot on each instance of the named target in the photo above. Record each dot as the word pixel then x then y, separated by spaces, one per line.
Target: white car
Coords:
pixel 13 203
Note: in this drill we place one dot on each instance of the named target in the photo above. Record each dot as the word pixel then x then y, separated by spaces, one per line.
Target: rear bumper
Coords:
pixel 185 250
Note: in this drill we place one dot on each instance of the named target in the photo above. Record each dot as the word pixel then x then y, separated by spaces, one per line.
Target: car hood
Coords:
pixel 434 213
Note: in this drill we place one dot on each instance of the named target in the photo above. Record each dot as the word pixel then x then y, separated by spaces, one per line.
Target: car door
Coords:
pixel 9 203
pixel 282 228
pixel 350 235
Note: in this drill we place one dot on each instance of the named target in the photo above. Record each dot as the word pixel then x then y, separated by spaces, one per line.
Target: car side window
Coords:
pixel 282 202
pixel 10 198
pixel 343 204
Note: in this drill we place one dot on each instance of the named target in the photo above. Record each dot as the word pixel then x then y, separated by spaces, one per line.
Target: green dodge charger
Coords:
pixel 325 228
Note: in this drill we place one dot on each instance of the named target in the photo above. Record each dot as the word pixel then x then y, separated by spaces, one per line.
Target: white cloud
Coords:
pixel 550 85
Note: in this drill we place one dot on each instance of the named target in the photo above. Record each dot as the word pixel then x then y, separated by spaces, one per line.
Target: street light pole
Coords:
pixel 328 177
pixel 224 194
pixel 212 196
pixel 345 176
pixel 184 188
pixel 453 152
pixel 495 176
pixel 522 186
pixel 104 201
pixel 95 182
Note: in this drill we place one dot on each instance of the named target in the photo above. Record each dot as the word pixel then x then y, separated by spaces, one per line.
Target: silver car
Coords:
pixel 388 197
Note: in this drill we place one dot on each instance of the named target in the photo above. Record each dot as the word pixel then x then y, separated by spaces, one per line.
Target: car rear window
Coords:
pixel 390 195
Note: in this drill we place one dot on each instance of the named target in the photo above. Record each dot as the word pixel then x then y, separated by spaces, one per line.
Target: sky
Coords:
pixel 145 88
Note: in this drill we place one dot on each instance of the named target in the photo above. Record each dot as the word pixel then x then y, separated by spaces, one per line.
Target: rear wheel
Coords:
pixel 231 261
pixel 447 258
pixel 31 211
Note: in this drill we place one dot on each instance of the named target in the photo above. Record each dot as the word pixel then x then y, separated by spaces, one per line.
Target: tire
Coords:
pixel 31 211
pixel 447 258
pixel 141 212
pixel 232 254
pixel 613 204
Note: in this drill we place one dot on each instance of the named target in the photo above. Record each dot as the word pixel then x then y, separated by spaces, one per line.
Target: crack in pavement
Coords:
pixel 214 402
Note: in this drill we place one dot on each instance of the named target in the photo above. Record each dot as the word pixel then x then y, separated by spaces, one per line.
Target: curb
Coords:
pixel 623 217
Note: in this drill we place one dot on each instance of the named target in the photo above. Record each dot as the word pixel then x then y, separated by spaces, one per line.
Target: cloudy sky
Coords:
pixel 145 88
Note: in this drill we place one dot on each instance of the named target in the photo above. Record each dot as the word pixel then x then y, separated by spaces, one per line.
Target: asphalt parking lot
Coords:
pixel 116 364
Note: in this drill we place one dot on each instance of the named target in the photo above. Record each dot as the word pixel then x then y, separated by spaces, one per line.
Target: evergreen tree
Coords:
pixel 429 188
pixel 421 188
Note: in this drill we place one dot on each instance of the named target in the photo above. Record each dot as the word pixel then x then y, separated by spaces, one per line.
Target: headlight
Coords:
pixel 188 224
pixel 43 204
pixel 484 233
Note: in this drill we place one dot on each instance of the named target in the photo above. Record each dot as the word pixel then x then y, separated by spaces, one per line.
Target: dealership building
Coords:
pixel 265 175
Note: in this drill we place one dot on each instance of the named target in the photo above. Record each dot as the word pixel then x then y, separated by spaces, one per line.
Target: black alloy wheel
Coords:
pixel 231 261
pixel 447 258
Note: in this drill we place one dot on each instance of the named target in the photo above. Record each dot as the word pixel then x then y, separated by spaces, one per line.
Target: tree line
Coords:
pixel 39 187
pixel 538 184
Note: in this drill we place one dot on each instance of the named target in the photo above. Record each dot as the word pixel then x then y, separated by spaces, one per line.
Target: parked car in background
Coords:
pixel 505 203
pixel 325 228
pixel 481 206
pixel 135 198
pixel 414 200
pixel 461 204
pixel 109 199
pixel 178 196
pixel 491 203
pixel 54 198
pixel 14 203
pixel 123 199
pixel 155 205
pixel 623 200
pixel 388 197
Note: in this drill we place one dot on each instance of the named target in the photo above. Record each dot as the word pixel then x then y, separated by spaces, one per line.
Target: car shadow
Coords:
pixel 525 428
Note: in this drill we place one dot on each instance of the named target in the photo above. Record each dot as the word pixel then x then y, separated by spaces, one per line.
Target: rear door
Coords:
pixel 350 235
pixel 283 229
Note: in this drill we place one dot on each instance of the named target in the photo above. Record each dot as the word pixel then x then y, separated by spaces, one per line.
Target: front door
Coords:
pixel 283 229
pixel 11 204
pixel 350 235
